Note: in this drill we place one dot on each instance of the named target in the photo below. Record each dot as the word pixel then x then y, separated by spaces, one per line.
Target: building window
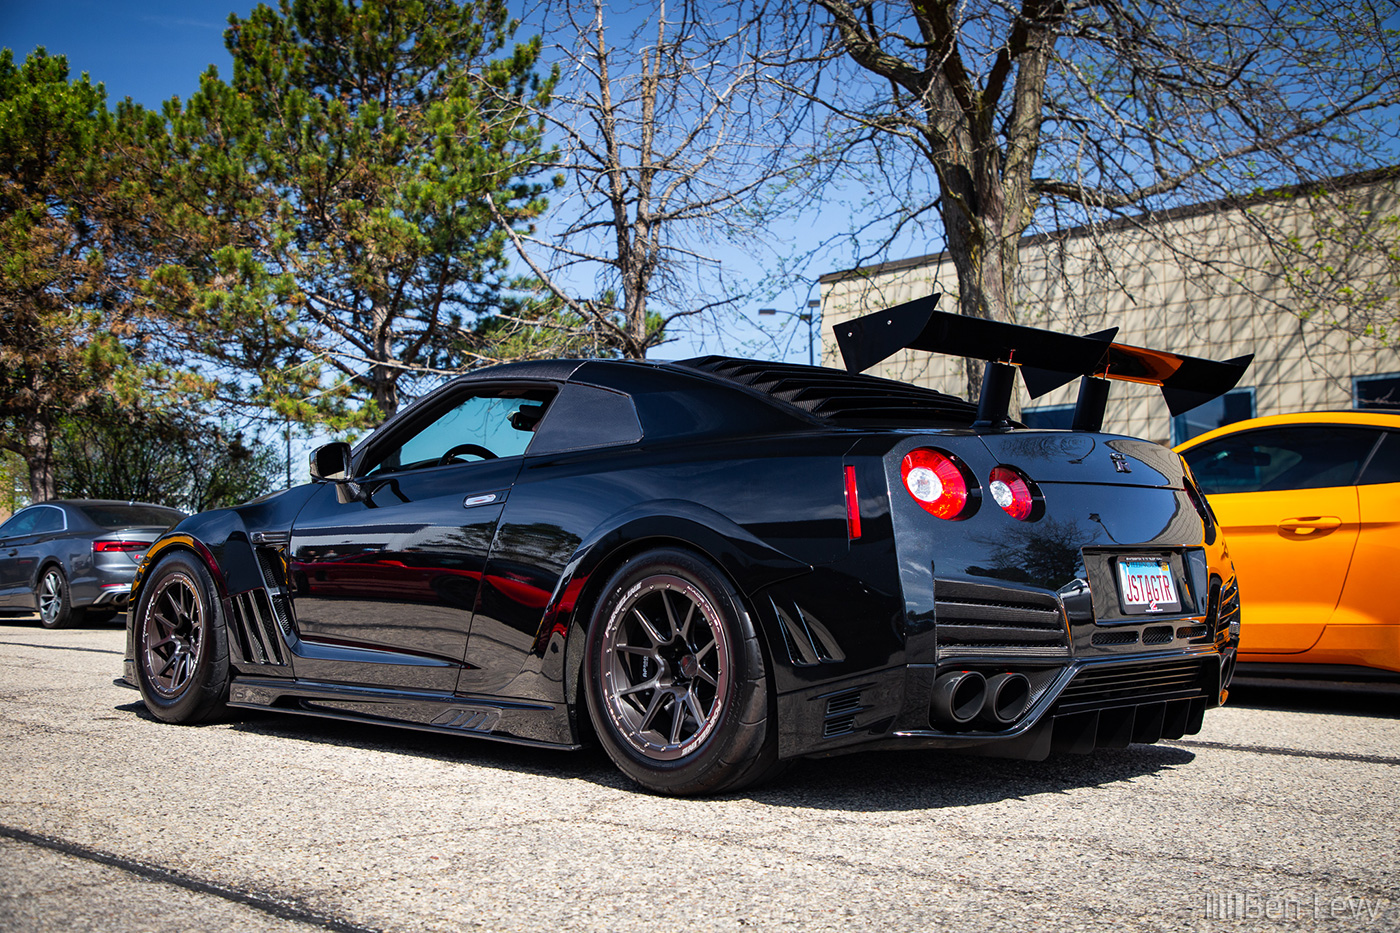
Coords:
pixel 1054 417
pixel 1376 391
pixel 1235 405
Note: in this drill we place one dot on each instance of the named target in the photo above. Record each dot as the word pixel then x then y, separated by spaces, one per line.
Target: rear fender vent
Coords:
pixel 839 714
pixel 808 642
pixel 1229 606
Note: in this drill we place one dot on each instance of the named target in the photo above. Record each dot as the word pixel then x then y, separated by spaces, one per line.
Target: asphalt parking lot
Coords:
pixel 1281 814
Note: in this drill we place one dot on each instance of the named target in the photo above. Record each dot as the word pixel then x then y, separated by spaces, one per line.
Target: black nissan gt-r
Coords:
pixel 715 566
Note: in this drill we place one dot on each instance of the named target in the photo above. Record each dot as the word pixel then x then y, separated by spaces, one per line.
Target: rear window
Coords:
pixel 131 516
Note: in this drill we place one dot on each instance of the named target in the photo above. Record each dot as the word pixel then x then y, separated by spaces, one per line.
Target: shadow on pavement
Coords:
pixel 893 781
pixel 96 621
pixel 1350 698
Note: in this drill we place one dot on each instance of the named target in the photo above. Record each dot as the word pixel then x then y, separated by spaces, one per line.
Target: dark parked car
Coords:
pixel 717 565
pixel 75 559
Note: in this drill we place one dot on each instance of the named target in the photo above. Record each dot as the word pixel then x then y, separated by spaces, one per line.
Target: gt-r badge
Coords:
pixel 1120 463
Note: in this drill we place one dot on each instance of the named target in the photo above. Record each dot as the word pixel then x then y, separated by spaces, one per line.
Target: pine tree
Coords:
pixel 330 198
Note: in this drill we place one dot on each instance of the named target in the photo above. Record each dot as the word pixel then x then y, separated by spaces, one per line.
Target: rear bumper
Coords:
pixel 113 595
pixel 107 587
pixel 1076 707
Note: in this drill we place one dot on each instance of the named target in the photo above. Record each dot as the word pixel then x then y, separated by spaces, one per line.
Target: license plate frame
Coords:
pixel 1147 585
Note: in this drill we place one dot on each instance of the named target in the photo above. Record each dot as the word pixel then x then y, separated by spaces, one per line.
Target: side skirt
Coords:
pixel 538 725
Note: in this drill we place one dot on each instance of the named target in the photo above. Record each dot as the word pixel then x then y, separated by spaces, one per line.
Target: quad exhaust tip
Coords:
pixel 958 698
pixel 962 698
pixel 1008 696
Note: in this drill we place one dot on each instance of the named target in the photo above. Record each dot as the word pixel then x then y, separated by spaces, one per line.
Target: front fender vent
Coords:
pixel 254 628
pixel 261 618
pixel 274 572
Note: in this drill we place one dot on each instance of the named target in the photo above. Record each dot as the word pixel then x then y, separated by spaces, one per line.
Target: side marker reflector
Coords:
pixel 852 505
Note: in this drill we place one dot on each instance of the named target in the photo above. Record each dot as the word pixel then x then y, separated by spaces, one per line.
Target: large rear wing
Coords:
pixel 1046 360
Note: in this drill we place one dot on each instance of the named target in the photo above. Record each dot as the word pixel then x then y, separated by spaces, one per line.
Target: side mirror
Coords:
pixel 331 463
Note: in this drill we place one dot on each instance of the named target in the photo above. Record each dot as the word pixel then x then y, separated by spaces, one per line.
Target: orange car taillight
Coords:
pixel 937 482
pixel 1012 491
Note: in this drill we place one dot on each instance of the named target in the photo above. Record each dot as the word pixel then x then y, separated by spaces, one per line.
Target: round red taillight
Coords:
pixel 936 482
pixel 1012 491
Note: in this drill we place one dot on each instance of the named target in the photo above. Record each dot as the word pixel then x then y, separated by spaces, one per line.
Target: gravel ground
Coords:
pixel 1281 814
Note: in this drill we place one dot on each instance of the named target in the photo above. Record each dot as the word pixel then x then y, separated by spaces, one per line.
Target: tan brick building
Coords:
pixel 1218 280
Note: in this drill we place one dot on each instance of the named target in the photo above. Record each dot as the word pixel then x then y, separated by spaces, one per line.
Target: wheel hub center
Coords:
pixel 689 667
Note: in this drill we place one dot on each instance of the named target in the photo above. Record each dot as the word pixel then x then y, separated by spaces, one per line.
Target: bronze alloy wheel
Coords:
pixel 666 667
pixel 182 663
pixel 171 636
pixel 676 682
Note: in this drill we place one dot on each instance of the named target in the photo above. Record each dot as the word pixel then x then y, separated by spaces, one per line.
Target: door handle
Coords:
pixel 14 552
pixel 1310 525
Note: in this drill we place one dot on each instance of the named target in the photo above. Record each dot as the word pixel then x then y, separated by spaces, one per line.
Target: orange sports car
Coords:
pixel 1310 505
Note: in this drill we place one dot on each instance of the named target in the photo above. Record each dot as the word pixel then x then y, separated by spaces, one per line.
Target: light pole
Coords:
pixel 810 317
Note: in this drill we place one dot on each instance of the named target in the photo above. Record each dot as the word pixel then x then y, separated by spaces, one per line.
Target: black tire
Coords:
pixel 55 603
pixel 677 687
pixel 181 641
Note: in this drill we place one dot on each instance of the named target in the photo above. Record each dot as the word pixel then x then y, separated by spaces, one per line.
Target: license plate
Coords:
pixel 1146 585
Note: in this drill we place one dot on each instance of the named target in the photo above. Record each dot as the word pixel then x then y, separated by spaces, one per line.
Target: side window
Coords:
pixel 49 520
pixel 484 425
pixel 585 417
pixel 1384 466
pixel 22 524
pixel 1306 457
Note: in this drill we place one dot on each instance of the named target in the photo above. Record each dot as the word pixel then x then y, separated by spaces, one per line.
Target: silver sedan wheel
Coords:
pixel 666 662
pixel 50 597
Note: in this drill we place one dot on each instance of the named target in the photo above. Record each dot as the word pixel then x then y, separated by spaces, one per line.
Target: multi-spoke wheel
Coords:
pixel 181 645
pixel 55 608
pixel 677 686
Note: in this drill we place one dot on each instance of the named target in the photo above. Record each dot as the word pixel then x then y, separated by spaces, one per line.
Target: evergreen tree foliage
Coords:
pixel 65 296
pixel 330 199
pixel 167 457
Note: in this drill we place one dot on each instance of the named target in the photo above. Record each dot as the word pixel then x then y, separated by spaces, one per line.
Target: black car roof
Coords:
pixel 811 393
pixel 838 397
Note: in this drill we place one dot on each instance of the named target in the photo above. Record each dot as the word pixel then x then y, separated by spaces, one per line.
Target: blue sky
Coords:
pixel 149 50
pixel 152 50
